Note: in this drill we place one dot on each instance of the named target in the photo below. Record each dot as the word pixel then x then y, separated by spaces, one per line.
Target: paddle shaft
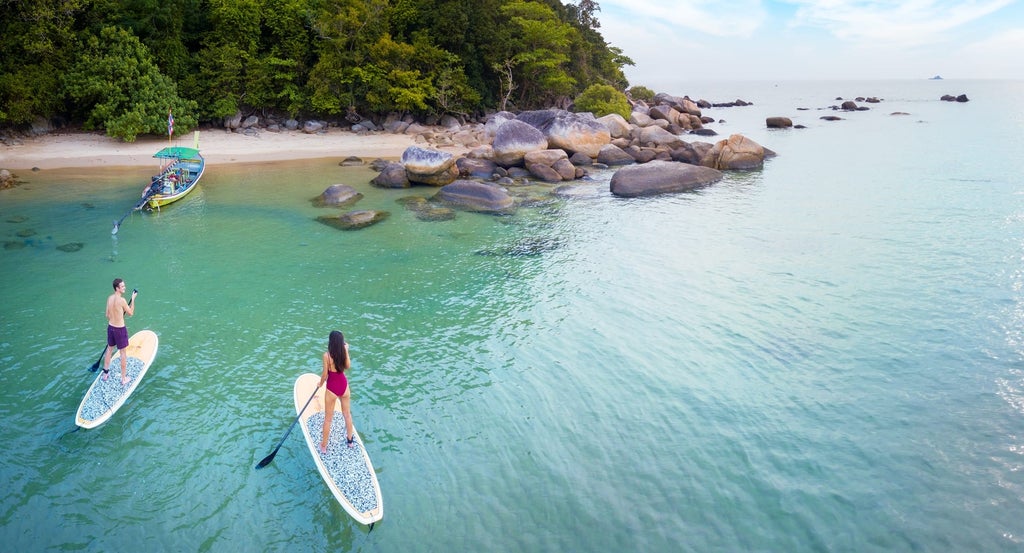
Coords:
pixel 266 460
pixel 96 365
pixel 151 191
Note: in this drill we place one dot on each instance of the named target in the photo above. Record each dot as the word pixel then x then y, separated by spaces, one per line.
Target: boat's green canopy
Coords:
pixel 177 152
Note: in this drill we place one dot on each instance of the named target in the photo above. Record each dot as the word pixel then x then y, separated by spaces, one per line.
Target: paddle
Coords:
pixel 266 460
pixel 150 192
pixel 96 365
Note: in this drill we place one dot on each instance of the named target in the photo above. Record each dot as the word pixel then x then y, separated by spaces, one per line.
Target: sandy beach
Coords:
pixel 82 149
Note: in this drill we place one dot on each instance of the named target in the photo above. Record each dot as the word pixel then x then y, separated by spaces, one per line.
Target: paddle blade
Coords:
pixel 266 460
pixel 99 359
pixel 116 226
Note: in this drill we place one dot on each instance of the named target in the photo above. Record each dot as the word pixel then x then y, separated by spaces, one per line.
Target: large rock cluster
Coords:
pixel 552 147
pixel 557 146
pixel 7 179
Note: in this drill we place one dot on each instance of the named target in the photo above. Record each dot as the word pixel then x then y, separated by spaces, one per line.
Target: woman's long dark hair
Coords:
pixel 336 348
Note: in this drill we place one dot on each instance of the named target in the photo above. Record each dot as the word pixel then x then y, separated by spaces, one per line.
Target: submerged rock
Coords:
pixel 354 220
pixel 433 213
pixel 70 247
pixel 426 210
pixel 7 179
pixel 527 247
pixel 337 195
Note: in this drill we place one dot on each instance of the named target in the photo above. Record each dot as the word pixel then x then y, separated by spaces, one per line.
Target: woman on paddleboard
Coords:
pixel 336 362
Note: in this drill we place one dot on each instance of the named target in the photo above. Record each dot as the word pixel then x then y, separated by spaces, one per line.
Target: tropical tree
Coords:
pixel 583 14
pixel 342 75
pixel 286 57
pixel 474 32
pixel 168 28
pixel 227 56
pixel 642 93
pixel 540 43
pixel 324 57
pixel 602 99
pixel 119 89
pixel 453 93
pixel 395 82
pixel 37 39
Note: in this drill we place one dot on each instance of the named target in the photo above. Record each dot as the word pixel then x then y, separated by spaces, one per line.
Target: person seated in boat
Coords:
pixel 170 184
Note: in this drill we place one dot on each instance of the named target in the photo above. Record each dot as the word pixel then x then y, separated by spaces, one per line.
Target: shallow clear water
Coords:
pixel 822 355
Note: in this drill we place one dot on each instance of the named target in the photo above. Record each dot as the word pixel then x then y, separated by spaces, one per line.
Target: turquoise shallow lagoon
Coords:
pixel 824 355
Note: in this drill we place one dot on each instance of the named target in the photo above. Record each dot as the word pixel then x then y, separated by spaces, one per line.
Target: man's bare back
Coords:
pixel 117 332
pixel 117 307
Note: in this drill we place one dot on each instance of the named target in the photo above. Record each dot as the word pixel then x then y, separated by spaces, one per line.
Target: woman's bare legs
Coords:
pixel 346 411
pixel 329 400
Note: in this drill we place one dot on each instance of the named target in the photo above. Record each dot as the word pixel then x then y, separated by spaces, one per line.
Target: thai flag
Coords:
pixel 170 123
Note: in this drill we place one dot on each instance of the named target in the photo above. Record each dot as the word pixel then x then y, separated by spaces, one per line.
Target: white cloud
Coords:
pixel 815 39
pixel 735 18
pixel 993 57
pixel 913 22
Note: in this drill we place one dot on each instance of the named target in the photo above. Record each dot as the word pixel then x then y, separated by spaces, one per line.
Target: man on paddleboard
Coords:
pixel 117 331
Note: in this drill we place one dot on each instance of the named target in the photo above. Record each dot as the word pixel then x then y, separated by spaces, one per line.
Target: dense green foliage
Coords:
pixel 120 65
pixel 602 99
pixel 642 93
pixel 118 87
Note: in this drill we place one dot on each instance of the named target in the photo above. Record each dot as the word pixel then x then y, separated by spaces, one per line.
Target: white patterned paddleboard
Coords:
pixel 105 397
pixel 347 471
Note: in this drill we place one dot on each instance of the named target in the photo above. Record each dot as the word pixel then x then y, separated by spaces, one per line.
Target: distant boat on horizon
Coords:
pixel 936 78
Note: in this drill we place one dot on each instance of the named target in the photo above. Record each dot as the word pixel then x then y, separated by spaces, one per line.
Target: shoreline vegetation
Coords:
pixel 124 67
pixel 268 139
pixel 551 146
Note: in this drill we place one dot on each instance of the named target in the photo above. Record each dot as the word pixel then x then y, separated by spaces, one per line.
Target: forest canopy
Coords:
pixel 121 65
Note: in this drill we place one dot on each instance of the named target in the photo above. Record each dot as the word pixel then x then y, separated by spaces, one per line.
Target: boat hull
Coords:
pixel 176 180
pixel 160 200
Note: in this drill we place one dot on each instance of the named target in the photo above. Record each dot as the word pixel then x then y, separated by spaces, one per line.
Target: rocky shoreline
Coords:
pixel 474 164
pixel 553 148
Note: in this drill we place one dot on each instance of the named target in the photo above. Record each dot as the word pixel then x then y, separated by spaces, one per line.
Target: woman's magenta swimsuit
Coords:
pixel 336 382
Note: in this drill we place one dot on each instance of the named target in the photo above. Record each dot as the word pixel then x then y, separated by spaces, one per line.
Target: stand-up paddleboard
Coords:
pixel 347 471
pixel 105 397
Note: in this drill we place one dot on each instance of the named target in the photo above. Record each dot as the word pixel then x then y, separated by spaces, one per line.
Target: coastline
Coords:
pixel 92 149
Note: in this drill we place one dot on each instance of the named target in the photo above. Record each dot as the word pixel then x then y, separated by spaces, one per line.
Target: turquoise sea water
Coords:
pixel 824 355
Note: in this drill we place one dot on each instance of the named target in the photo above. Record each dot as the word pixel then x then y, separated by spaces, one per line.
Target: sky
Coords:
pixel 718 40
